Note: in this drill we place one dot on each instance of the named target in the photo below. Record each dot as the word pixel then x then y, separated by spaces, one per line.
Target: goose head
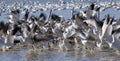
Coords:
pixel 26 15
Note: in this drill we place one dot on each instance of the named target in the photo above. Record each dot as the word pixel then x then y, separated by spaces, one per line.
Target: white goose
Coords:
pixel 26 31
pixel 93 24
pixel 106 31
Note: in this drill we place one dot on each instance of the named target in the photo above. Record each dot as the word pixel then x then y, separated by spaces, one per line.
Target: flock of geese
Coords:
pixel 83 29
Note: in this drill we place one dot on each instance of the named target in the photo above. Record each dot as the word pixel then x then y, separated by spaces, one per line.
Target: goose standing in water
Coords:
pixel 25 26
pixel 72 32
pixel 17 33
pixel 92 17
pixel 55 25
pixel 77 24
pixel 68 32
pixel 40 22
pixel 38 31
pixel 106 31
pixel 4 28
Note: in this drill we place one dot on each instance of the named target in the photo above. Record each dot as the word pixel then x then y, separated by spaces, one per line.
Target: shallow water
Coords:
pixel 55 55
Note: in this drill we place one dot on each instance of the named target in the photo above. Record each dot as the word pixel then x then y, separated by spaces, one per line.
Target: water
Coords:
pixel 56 55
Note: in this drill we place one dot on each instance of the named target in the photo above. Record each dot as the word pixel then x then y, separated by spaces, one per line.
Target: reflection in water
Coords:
pixel 55 55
